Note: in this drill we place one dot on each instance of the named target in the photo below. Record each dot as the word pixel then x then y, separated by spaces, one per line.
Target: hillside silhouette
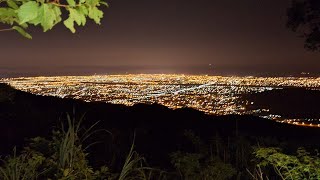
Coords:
pixel 159 130
pixel 288 102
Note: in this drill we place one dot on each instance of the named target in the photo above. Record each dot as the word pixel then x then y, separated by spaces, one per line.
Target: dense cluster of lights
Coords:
pixel 211 94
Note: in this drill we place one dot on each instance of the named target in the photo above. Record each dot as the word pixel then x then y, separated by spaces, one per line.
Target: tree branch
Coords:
pixel 9 29
pixel 63 5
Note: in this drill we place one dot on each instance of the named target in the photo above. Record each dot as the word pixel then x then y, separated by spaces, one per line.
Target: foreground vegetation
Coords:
pixel 19 15
pixel 64 156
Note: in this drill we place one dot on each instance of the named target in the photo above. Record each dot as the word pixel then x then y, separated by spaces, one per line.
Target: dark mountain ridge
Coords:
pixel 159 130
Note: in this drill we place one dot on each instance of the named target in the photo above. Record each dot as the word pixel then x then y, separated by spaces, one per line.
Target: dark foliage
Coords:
pixel 304 17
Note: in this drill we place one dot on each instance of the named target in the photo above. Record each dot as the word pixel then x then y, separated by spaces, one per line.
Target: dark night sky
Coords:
pixel 243 35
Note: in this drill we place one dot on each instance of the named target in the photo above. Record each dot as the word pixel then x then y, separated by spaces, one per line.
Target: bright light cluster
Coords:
pixel 211 94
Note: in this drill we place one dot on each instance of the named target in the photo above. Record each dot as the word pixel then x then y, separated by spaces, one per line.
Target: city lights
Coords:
pixel 211 94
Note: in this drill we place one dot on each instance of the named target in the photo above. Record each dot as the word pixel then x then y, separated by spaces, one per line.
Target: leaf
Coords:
pixel 104 3
pixel 95 14
pixel 48 17
pixel 58 13
pixel 28 11
pixel 12 4
pixel 84 10
pixel 25 25
pixel 7 15
pixel 92 3
pixel 71 2
pixel 69 23
pixel 35 21
pixel 75 15
pixel 22 32
pixel 66 172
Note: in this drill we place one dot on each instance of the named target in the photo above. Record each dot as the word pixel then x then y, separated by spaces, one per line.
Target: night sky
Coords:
pixel 166 36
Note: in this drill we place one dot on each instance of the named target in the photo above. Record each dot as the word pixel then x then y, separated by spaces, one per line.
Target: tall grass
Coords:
pixel 71 153
pixel 134 167
pixel 21 167
pixel 66 158
pixel 11 168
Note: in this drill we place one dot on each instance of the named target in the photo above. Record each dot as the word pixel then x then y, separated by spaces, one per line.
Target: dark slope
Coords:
pixel 159 130
pixel 288 102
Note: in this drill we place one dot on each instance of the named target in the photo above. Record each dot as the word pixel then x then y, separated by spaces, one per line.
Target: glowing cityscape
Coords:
pixel 211 94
